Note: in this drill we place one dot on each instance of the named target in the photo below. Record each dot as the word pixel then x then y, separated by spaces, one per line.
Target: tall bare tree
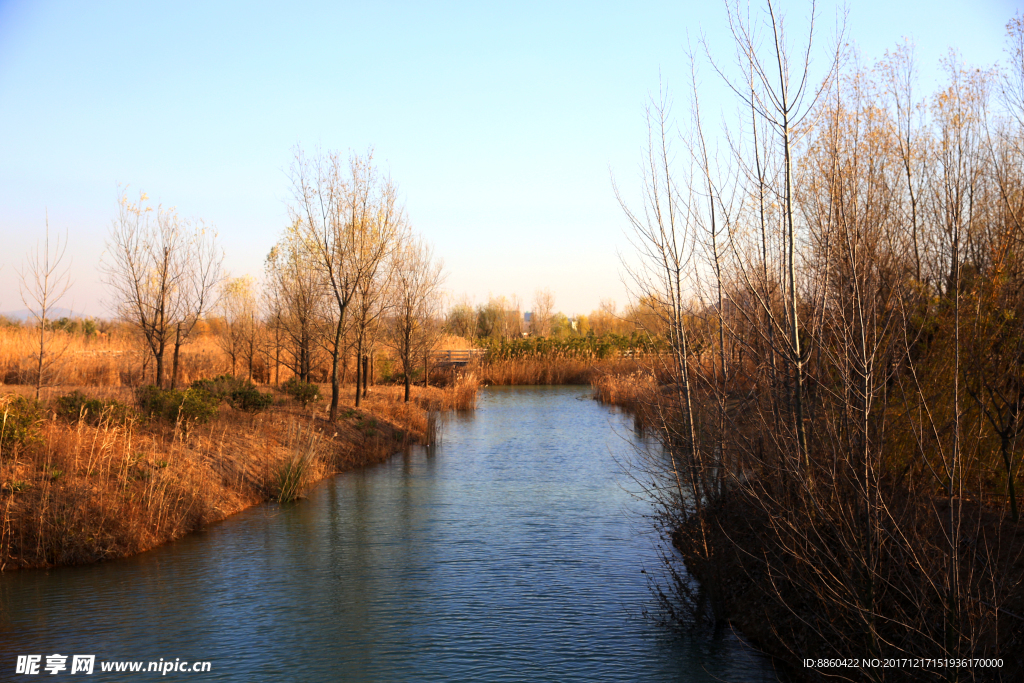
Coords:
pixel 241 329
pixel 162 271
pixel 296 287
pixel 543 308
pixel 416 284
pixel 199 286
pixel 44 280
pixel 144 268
pixel 351 220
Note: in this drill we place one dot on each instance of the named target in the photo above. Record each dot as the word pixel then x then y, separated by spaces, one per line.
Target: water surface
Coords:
pixel 511 552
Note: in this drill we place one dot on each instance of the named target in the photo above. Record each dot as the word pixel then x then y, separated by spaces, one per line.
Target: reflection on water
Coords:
pixel 510 552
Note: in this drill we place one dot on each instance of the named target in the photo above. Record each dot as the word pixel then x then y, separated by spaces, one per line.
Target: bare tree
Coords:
pixel 240 333
pixel 784 97
pixel 162 271
pixel 202 276
pixel 543 308
pixel 322 198
pixel 44 280
pixel 417 279
pixel 145 271
pixel 273 318
pixel 351 221
pixel 663 236
pixel 296 288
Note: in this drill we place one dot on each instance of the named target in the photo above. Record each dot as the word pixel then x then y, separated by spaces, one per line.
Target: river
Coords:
pixel 512 551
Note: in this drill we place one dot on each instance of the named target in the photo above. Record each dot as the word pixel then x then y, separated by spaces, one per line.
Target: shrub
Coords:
pixel 77 406
pixel 198 406
pixel 303 392
pixel 19 417
pixel 251 400
pixel 194 405
pixel 220 386
pixel 239 393
pixel 155 402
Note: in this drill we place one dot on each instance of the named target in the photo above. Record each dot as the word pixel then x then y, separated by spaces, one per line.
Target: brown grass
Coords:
pixel 457 392
pixel 632 392
pixel 454 343
pixel 110 359
pixel 553 370
pixel 80 493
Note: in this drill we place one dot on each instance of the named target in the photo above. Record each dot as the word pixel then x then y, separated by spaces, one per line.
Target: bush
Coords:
pixel 220 386
pixel 19 417
pixel 155 402
pixel 303 392
pixel 77 406
pixel 194 405
pixel 251 400
pixel 198 406
pixel 241 394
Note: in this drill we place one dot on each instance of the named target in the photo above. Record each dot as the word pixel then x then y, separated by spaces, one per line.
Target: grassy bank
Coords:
pixel 76 488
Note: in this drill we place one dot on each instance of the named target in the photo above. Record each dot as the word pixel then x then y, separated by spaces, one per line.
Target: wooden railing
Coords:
pixel 456 356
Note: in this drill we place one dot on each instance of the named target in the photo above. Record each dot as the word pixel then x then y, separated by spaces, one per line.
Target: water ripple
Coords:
pixel 510 553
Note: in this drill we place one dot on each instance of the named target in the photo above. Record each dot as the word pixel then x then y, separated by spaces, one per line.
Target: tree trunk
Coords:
pixel 174 362
pixel 359 370
pixel 335 380
pixel 42 352
pixel 277 360
pixel 159 358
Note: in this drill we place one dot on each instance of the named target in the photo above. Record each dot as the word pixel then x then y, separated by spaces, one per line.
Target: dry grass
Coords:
pixel 457 393
pixel 632 392
pixel 79 493
pixel 111 359
pixel 553 370
pixel 454 343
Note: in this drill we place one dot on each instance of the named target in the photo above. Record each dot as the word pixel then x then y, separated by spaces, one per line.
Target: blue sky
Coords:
pixel 502 123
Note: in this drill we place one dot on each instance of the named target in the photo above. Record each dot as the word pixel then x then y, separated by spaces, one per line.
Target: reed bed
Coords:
pixel 553 370
pixel 74 492
pixel 633 392
pixel 103 359
pixel 454 391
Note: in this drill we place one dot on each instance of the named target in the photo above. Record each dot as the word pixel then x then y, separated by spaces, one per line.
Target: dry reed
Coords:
pixel 79 493
pixel 101 360
pixel 553 370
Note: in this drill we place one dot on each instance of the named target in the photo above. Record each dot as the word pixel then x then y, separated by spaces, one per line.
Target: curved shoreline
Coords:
pixel 80 493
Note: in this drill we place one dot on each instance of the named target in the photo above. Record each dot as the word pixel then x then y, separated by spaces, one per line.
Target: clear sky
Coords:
pixel 502 123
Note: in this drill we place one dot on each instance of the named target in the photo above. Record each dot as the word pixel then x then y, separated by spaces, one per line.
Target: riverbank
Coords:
pixel 775 560
pixel 509 551
pixel 74 491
